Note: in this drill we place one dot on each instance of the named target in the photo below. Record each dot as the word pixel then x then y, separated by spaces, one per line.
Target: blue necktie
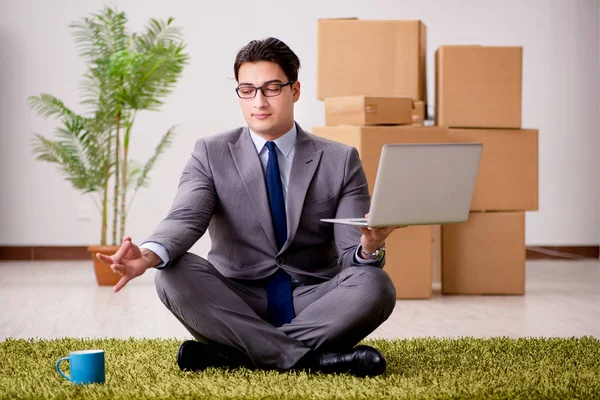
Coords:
pixel 280 303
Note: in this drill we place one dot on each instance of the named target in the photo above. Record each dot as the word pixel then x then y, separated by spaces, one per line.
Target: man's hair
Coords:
pixel 270 49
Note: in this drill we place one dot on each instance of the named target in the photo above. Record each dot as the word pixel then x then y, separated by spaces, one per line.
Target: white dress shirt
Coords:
pixel 286 149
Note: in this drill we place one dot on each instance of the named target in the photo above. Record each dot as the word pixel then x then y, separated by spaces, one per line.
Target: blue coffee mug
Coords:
pixel 87 366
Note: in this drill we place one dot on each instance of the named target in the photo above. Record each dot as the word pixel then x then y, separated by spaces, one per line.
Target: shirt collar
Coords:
pixel 284 143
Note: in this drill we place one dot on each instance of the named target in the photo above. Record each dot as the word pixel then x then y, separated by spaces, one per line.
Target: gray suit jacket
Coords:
pixel 223 188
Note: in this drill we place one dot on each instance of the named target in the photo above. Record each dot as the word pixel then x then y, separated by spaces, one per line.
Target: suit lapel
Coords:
pixel 250 169
pixel 306 161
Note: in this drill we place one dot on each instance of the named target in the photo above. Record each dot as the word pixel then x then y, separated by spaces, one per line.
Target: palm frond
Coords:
pixel 158 33
pixel 67 160
pixel 90 87
pixel 114 32
pixel 86 36
pixel 134 171
pixel 154 77
pixel 46 150
pixel 47 105
pixel 99 36
pixel 79 153
pixel 166 142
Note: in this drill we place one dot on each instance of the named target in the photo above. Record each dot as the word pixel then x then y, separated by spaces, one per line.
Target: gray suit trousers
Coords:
pixel 330 316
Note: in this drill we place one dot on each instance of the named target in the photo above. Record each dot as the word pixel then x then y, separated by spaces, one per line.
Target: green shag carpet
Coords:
pixel 498 368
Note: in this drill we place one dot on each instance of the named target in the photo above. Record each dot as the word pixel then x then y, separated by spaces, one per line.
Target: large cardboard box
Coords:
pixel 412 252
pixel 485 254
pixel 369 140
pixel 478 86
pixel 367 110
pixel 371 58
pixel 508 173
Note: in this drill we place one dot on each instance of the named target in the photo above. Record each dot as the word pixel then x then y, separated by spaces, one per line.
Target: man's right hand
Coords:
pixel 129 262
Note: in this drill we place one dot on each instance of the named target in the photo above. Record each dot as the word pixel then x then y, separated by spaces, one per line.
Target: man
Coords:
pixel 279 289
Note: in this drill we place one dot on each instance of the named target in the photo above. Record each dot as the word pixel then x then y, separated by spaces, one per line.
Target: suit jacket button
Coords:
pixel 279 261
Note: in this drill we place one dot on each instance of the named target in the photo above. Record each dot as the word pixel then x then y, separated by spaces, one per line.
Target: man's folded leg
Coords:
pixel 334 316
pixel 226 313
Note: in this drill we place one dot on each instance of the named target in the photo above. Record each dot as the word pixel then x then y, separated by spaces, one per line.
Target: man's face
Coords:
pixel 269 117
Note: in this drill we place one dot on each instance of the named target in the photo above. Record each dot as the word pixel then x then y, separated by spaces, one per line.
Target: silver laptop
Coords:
pixel 422 184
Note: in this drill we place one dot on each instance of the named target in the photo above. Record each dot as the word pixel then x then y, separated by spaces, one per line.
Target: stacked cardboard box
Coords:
pixel 371 76
pixel 370 110
pixel 371 58
pixel 478 98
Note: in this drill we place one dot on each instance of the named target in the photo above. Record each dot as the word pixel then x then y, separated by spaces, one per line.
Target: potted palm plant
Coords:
pixel 126 73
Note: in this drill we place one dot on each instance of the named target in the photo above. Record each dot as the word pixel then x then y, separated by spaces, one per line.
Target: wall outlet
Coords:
pixel 84 212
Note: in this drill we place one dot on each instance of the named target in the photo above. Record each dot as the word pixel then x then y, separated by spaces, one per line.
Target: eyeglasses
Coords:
pixel 268 90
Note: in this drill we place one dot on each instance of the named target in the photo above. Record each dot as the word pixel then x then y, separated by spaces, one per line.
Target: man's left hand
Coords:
pixel 374 238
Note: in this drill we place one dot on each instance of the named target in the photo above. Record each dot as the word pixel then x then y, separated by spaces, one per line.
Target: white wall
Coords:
pixel 560 97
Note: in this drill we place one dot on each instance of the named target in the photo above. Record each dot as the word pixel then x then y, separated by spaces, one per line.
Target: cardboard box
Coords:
pixel 371 58
pixel 485 255
pixel 412 254
pixel 369 140
pixel 367 110
pixel 478 86
pixel 508 172
pixel 418 113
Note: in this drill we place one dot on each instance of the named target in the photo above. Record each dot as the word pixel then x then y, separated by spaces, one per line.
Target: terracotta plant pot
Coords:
pixel 104 275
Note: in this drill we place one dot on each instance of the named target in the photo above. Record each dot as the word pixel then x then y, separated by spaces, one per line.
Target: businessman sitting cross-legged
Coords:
pixel 279 289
